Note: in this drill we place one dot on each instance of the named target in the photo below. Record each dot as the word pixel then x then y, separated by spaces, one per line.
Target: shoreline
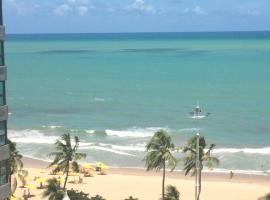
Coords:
pixel 120 183
pixel 206 176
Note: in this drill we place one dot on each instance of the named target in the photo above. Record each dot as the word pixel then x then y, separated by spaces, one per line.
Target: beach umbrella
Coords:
pixel 101 165
pixel 27 178
pixel 13 198
pixel 41 180
pixel 74 174
pixel 88 166
pixel 29 186
pixel 61 179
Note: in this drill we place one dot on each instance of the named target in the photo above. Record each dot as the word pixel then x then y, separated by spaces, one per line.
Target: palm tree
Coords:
pixel 53 190
pixel 159 151
pixel 266 197
pixel 172 193
pixel 65 155
pixel 204 157
pixel 15 166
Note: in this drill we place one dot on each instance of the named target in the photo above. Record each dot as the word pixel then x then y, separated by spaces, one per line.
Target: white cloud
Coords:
pixel 76 7
pixel 140 5
pixel 82 10
pixel 198 11
pixel 62 10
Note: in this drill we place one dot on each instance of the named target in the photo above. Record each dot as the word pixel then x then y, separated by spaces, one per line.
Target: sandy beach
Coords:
pixel 120 183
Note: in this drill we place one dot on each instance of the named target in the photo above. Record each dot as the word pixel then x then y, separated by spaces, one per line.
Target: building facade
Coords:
pixel 4 147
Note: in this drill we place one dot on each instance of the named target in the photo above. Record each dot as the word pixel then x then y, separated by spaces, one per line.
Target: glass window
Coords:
pixel 1 54
pixel 2 93
pixel 3 172
pixel 2 133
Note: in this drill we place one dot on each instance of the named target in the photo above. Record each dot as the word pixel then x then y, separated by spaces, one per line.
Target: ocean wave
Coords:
pixel 31 137
pixel 134 132
pixel 106 149
pixel 99 99
pixel 124 148
pixel 90 131
pixel 265 150
pixel 51 126
pixel 189 129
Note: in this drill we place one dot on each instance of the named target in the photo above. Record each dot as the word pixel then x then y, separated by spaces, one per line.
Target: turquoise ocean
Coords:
pixel 115 90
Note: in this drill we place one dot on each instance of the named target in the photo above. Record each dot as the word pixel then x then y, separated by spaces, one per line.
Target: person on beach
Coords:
pixel 25 196
pixel 231 174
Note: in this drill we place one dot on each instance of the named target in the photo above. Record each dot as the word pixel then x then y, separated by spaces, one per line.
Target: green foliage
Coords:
pixel 159 151
pixel 65 155
pixel 266 197
pixel 97 197
pixel 172 193
pixel 205 155
pixel 15 166
pixel 76 195
pixel 53 191
pixel 132 198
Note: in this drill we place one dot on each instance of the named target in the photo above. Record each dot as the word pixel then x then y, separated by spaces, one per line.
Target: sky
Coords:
pixel 98 16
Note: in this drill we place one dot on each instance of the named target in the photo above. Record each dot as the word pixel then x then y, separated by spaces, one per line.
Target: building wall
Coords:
pixel 4 147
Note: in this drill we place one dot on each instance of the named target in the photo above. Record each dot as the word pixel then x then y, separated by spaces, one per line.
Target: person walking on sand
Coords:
pixel 231 174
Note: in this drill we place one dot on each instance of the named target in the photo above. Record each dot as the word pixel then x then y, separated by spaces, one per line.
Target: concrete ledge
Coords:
pixel 4 152
pixel 3 113
pixel 2 33
pixel 3 73
pixel 4 191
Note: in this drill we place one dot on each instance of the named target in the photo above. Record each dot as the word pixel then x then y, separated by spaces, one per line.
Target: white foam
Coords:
pixel 90 131
pixel 189 129
pixel 119 147
pixel 31 137
pixel 106 149
pixel 265 150
pixel 134 132
pixel 99 99
pixel 128 148
pixel 198 117
pixel 51 126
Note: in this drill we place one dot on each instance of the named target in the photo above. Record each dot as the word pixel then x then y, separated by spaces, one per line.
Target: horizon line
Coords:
pixel 138 32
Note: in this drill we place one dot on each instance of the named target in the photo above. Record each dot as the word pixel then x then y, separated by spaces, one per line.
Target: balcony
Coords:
pixel 3 113
pixel 4 152
pixel 2 33
pixel 3 73
pixel 4 191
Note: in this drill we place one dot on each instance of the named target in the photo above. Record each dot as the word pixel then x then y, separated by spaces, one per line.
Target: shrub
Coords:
pixel 132 198
pixel 172 193
pixel 77 195
pixel 97 197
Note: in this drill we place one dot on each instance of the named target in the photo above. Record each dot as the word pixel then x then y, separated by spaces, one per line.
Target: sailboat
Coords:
pixel 197 113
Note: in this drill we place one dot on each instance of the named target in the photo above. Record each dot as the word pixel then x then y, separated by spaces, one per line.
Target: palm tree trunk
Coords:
pixel 163 181
pixel 64 188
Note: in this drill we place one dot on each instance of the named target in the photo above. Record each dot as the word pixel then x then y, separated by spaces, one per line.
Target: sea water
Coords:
pixel 115 90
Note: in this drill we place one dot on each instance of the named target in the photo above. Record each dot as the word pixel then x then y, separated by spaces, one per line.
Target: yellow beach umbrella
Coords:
pixel 29 186
pixel 61 179
pixel 28 178
pixel 74 174
pixel 102 165
pixel 88 166
pixel 13 198
pixel 41 180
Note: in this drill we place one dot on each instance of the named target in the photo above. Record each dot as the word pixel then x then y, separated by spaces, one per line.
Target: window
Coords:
pixel 3 172
pixel 2 100
pixel 2 133
pixel 1 53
